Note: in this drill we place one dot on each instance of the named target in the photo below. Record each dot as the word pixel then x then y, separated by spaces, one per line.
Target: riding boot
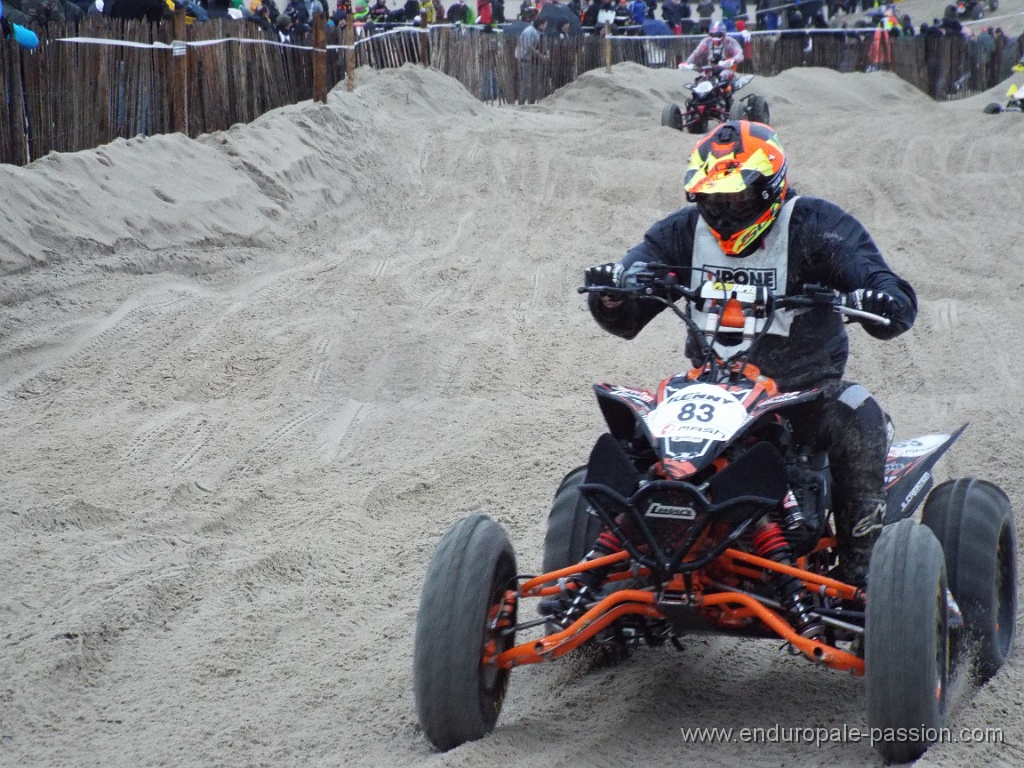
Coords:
pixel 857 435
pixel 858 525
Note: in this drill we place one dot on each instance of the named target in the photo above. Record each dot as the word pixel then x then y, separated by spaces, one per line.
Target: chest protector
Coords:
pixel 767 266
pixel 717 49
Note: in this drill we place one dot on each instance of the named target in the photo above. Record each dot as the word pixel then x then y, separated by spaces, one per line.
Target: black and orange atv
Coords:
pixel 714 507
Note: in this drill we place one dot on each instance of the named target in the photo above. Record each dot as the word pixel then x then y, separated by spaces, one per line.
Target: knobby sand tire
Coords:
pixel 458 699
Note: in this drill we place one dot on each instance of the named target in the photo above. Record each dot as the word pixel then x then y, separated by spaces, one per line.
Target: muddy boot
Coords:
pixel 857 528
pixel 855 429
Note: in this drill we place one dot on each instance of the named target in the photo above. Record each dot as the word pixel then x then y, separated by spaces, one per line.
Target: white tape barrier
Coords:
pixel 177 45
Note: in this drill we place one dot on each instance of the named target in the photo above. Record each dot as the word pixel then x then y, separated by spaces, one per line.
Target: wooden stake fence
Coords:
pixel 148 79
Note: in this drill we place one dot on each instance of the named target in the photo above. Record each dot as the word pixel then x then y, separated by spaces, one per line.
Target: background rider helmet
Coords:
pixel 737 179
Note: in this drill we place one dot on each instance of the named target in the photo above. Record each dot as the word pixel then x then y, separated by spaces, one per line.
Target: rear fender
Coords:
pixel 908 472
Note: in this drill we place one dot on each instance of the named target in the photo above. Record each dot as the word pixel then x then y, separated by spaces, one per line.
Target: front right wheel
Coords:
pixel 906 641
pixel 466 613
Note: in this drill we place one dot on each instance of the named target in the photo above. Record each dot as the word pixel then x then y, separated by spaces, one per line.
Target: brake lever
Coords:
pixel 862 315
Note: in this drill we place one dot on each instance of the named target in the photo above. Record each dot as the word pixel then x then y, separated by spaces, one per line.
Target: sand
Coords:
pixel 248 380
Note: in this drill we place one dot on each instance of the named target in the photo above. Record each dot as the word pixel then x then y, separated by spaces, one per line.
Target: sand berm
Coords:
pixel 246 382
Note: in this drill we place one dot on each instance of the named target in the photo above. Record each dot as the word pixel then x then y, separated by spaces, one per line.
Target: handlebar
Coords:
pixel 705 68
pixel 661 283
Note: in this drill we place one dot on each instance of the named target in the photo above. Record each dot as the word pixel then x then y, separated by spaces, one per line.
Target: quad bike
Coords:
pixel 972 10
pixel 720 502
pixel 711 98
pixel 1014 102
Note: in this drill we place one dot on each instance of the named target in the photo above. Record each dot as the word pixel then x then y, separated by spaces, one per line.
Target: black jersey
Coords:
pixel 822 244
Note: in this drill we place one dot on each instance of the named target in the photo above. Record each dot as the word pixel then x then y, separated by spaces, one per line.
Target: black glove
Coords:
pixel 875 302
pixel 604 275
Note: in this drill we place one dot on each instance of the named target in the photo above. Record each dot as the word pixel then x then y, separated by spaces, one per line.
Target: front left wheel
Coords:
pixel 463 616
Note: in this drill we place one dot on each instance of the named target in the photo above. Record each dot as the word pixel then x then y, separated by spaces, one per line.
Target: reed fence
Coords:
pixel 100 79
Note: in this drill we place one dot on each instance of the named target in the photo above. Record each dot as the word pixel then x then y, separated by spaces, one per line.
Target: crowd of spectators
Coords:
pixel 284 17
pixel 685 17
pixel 993 53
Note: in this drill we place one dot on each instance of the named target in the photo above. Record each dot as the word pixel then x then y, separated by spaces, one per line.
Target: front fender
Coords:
pixel 623 408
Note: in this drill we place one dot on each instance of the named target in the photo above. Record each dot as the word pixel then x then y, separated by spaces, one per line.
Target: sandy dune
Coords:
pixel 247 381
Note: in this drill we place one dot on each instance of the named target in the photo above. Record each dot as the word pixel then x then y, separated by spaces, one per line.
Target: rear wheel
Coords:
pixel 700 125
pixel 906 641
pixel 738 111
pixel 672 116
pixel 993 108
pixel 458 698
pixel 757 110
pixel 572 530
pixel 973 521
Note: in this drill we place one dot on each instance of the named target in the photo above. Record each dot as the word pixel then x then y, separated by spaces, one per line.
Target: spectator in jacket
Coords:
pixel 11 30
pixel 151 10
pixel 528 53
pixel 705 9
pixel 458 13
pixel 673 12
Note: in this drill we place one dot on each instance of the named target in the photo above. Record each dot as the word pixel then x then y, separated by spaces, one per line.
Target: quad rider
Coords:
pixel 746 226
pixel 721 52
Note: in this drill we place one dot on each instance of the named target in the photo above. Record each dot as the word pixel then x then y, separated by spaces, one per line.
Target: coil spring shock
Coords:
pixel 770 543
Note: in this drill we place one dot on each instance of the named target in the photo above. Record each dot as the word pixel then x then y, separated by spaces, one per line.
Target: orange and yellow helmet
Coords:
pixel 737 178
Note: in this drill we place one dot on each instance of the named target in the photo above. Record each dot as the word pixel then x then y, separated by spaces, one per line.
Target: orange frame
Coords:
pixel 731 608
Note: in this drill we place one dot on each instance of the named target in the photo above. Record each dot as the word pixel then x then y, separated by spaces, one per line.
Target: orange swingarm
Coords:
pixel 535 586
pixel 814 582
pixel 611 608
pixel 817 651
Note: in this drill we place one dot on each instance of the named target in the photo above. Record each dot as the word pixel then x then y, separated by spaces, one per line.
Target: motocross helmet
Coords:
pixel 737 178
pixel 717 29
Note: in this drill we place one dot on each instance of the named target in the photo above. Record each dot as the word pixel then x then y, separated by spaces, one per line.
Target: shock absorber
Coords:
pixel 607 544
pixel 795 526
pixel 579 591
pixel 770 543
